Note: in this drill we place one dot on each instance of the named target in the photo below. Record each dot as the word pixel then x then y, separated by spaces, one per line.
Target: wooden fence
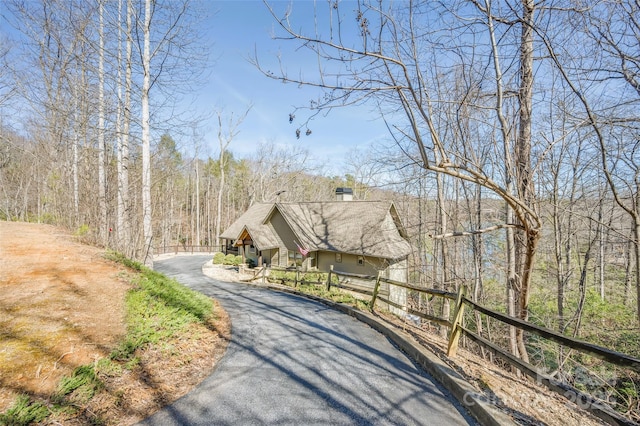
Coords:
pixel 180 248
pixel 378 290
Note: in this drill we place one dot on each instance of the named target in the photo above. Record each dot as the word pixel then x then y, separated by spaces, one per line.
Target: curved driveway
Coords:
pixel 292 361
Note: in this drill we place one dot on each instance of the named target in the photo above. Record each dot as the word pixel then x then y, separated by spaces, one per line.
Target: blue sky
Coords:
pixel 237 29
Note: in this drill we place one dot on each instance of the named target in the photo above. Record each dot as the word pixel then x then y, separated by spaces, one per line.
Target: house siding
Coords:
pixel 274 256
pixel 396 271
pixel 349 263
pixel 285 236
pixel 249 252
pixel 268 257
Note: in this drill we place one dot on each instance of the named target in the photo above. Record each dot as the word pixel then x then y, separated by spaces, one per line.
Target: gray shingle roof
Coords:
pixel 261 234
pixel 369 228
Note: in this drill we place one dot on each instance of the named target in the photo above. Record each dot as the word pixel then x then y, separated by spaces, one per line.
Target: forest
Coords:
pixel 513 152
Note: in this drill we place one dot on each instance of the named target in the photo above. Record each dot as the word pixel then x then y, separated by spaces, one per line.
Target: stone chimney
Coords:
pixel 344 194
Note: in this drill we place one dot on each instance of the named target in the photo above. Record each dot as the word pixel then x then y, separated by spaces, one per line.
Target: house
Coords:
pixel 360 237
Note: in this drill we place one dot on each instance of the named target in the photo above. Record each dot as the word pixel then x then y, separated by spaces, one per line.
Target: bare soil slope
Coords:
pixel 62 305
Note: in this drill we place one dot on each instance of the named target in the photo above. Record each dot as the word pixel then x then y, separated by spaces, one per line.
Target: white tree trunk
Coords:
pixel 120 213
pixel 102 181
pixel 124 177
pixel 197 242
pixel 442 253
pixel 74 165
pixel 146 140
pixel 509 215
pixel 220 194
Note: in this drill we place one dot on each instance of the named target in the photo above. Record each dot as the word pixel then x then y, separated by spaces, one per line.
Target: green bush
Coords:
pixel 229 259
pixel 218 258
pixel 237 260
pixel 82 231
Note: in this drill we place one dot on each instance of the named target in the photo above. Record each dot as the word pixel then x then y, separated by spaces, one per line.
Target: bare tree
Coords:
pixel 228 129
pixel 146 137
pixel 396 64
pixel 102 178
pixel 612 60
pixel 123 121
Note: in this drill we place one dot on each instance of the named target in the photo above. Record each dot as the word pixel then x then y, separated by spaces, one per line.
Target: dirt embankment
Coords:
pixel 62 305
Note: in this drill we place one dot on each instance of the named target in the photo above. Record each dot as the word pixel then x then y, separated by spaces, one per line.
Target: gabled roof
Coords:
pixel 369 228
pixel 252 220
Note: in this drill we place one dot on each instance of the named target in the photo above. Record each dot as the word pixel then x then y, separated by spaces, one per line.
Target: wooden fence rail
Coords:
pixel 432 291
pixel 608 355
pixel 298 278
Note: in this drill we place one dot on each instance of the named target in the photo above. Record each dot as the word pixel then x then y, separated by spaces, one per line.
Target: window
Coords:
pixel 295 258
pixel 361 260
pixel 338 257
pixel 312 259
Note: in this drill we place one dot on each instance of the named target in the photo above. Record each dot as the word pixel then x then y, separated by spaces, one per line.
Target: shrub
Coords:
pixel 82 231
pixel 218 258
pixel 229 259
pixel 237 260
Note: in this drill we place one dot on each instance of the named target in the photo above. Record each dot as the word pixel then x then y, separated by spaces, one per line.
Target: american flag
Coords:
pixel 303 251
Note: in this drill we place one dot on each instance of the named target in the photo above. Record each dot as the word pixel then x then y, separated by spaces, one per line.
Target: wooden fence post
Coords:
pixel 297 274
pixel 264 273
pixel 329 277
pixel 376 288
pixel 454 336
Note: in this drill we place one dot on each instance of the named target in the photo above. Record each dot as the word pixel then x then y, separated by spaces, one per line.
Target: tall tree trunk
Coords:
pixel 102 180
pixel 221 161
pixel 124 177
pixel 636 247
pixel 582 289
pixel 629 255
pixel 600 237
pixel 147 230
pixel 120 208
pixel 441 254
pixel 526 240
pixel 209 221
pixel 505 133
pixel 74 164
pixel 197 242
pixel 512 286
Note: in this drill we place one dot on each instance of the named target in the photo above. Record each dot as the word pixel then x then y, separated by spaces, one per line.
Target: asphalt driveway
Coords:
pixel 292 361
